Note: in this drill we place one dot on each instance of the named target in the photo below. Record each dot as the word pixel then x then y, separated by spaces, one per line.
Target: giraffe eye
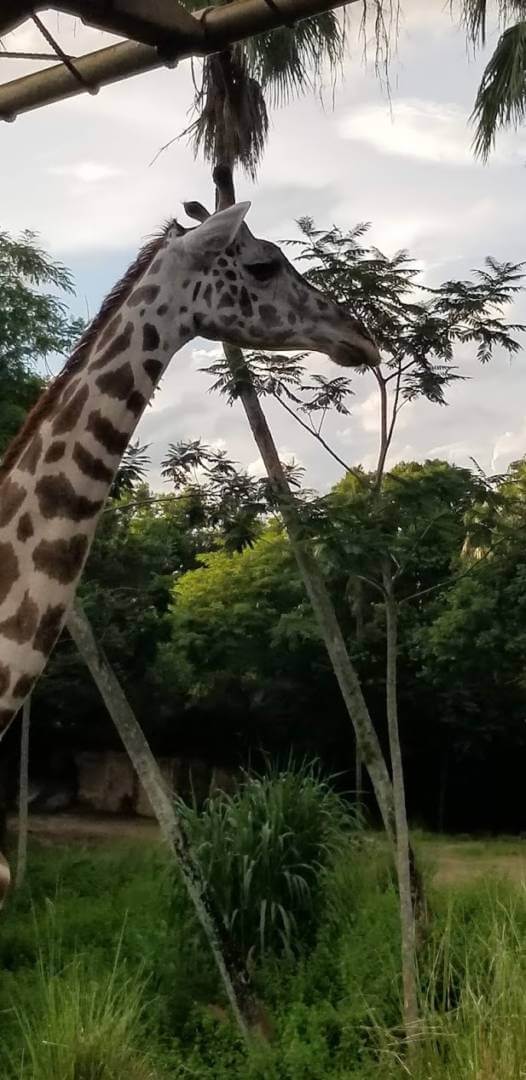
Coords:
pixel 263 271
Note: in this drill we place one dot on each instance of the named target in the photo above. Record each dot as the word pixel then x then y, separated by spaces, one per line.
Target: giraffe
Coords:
pixel 214 280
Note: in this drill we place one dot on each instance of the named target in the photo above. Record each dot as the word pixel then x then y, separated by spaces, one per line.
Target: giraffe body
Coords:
pixel 215 281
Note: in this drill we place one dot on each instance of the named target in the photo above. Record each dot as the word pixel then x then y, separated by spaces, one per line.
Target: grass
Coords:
pixel 77 1023
pixel 104 974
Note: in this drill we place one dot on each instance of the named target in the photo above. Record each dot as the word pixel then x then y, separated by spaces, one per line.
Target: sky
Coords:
pixel 81 174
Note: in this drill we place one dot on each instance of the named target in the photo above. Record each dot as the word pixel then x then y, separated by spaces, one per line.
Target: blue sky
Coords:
pixel 79 173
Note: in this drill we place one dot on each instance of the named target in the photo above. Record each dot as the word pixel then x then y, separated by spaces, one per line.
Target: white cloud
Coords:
pixel 508 447
pixel 425 130
pixel 87 172
pixel 418 129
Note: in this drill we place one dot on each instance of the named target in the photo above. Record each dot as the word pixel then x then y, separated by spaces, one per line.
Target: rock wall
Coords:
pixel 107 782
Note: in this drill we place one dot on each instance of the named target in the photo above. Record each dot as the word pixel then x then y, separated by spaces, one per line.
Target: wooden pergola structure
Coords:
pixel 158 32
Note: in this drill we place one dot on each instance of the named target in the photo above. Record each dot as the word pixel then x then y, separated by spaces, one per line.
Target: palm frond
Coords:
pixel 501 98
pixel 232 121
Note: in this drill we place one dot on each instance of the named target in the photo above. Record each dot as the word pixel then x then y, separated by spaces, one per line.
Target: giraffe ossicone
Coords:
pixel 215 281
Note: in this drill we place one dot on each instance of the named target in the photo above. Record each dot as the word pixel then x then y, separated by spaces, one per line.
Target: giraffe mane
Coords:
pixel 44 405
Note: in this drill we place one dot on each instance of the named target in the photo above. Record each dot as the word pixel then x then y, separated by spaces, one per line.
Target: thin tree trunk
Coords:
pixel 234 976
pixel 403 858
pixel 366 737
pixel 23 795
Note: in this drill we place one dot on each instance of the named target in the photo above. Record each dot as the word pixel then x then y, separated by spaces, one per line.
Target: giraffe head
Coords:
pixel 245 291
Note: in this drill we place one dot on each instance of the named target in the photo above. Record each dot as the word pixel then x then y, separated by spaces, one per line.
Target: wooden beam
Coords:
pixel 160 23
pixel 217 28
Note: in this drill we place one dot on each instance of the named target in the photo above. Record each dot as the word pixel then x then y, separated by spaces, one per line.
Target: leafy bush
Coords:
pixel 263 851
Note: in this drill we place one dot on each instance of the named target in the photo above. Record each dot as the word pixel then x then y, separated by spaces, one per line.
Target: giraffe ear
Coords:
pixel 216 233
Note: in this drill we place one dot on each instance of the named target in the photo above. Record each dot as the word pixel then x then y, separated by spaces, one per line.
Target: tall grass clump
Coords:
pixel 263 851
pixel 75 1022
pixel 473 1017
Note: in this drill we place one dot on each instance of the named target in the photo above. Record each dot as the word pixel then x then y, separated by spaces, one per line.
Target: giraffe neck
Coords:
pixel 53 493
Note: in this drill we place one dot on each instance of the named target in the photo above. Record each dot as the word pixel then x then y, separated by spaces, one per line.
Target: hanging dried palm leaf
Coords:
pixel 232 124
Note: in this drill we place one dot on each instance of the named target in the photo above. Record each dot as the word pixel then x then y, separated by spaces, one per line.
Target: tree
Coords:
pixel 417 330
pixel 501 96
pixel 23 795
pixel 35 324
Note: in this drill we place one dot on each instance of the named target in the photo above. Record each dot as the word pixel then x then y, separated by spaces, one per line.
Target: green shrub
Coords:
pixel 263 851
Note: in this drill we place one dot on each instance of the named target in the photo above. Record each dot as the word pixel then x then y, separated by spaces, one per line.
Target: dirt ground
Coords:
pixel 450 861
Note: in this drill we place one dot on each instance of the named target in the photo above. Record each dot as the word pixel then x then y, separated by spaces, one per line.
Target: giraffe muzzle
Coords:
pixel 358 351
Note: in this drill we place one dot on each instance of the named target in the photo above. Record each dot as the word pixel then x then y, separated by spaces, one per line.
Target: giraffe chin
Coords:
pixel 362 354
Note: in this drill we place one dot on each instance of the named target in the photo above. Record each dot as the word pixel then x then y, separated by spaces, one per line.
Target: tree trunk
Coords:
pixel 23 795
pixel 403 855
pixel 366 737
pixel 234 976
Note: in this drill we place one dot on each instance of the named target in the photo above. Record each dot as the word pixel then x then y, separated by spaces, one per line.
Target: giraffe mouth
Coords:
pixel 362 352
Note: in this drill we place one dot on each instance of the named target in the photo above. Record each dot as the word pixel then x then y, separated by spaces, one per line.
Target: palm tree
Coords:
pixel 501 96
pixel 231 126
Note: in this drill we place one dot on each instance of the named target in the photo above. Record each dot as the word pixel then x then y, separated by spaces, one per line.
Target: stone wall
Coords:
pixel 107 782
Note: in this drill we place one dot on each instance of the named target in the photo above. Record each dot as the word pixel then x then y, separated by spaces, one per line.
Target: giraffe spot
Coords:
pixel 57 498
pixel 150 338
pixel 31 458
pixel 12 496
pixel 186 283
pixel 106 434
pixel 145 294
pixel 207 295
pixel 153 368
pixel 231 275
pixel 162 309
pixel 23 686
pixel 230 250
pixel 222 262
pixel 109 332
pixel 156 266
pixel 21 626
pixel 118 383
pixel 90 465
pixel 269 314
pixel 197 321
pixel 197 290
pixel 234 290
pixel 226 301
pixel 61 559
pixel 215 273
pixel 183 310
pixel 70 390
pixel 245 302
pixel 230 320
pixel 9 570
pixel 6 715
pixel 142 312
pixel 25 528
pixel 115 348
pixel 55 452
pixel 219 285
pixel 136 402
pixel 49 628
pixel 5 679
pixel 184 330
pixel 70 414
